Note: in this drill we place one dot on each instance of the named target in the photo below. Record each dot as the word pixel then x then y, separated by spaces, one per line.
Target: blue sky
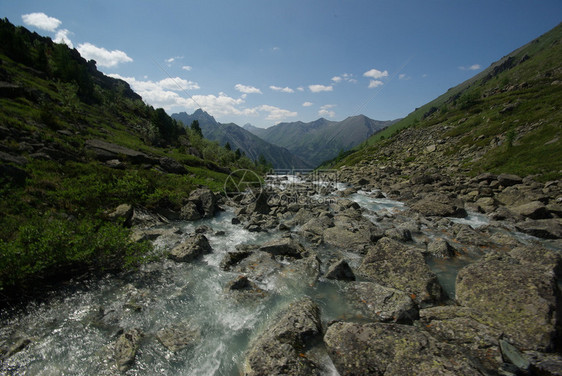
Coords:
pixel 264 62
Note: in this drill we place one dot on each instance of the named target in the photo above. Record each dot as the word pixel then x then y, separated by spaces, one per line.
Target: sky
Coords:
pixel 264 61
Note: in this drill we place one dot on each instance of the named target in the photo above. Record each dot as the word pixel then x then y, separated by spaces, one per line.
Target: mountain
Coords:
pixel 321 139
pixel 505 119
pixel 82 159
pixel 238 138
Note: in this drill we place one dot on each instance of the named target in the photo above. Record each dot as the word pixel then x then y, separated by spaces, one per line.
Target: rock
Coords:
pixel 392 264
pixel 340 270
pixel 191 249
pixel 513 355
pixel 243 289
pixel 202 229
pixel 260 205
pixel 440 205
pixel 541 228
pixel 508 180
pixel 521 299
pixel 533 210
pixel 205 201
pixel 105 151
pixel 440 248
pixel 172 166
pixel 314 228
pixel 281 349
pixel 537 256
pixel 232 258
pixel 189 212
pixel 179 336
pixel 392 349
pixel 143 218
pixel 284 247
pixel 400 234
pixel 379 303
pixel 430 148
pixel 126 348
pixel 545 364
pixel 258 266
pixel 123 212
pixel 351 233
pixel 19 343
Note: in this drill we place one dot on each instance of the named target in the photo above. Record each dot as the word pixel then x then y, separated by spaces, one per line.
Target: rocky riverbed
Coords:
pixel 392 273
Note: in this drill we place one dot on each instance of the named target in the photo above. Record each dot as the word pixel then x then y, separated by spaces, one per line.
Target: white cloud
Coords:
pixel 307 104
pixel 247 89
pixel 300 88
pixel 325 110
pixel 376 74
pixel 403 76
pixel 62 36
pixel 41 21
pixel 282 89
pixel 320 88
pixel 337 79
pixel 170 60
pixel 103 57
pixel 187 68
pixel 472 67
pixel 375 83
pixel 346 77
pixel 276 113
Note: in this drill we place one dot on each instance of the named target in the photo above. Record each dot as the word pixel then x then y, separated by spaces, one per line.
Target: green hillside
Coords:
pixel 506 119
pixel 75 144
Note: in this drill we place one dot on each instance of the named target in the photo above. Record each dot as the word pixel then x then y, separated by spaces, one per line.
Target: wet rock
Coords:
pixel 203 229
pixel 143 218
pixel 284 247
pixel 232 258
pixel 521 299
pixel 511 354
pixel 395 265
pixel 393 349
pixel 126 348
pixel 440 248
pixel 258 266
pixel 314 228
pixel 242 289
pixel 340 270
pixel 542 228
pixel 351 233
pixel 439 205
pixel 282 348
pixel 400 234
pixel 179 336
pixel 379 303
pixel 191 249
pixel 544 364
pixel 205 202
pixel 18 344
pixel 508 180
pixel 189 212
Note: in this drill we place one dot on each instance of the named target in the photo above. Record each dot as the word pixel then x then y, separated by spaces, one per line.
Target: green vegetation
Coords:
pixel 510 111
pixel 56 192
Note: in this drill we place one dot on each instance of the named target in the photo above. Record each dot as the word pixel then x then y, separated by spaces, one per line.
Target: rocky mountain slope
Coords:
pixel 74 146
pixel 321 139
pixel 238 138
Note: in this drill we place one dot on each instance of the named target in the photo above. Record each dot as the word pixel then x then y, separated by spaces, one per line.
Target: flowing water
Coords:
pixel 74 333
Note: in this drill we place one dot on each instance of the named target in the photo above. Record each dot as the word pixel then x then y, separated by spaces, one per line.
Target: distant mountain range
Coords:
pixel 289 145
pixel 321 139
pixel 239 138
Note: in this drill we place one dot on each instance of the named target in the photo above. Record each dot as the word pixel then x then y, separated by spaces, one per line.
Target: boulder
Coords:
pixel 533 210
pixel 542 228
pixel 521 299
pixel 189 212
pixel 282 347
pixel 352 233
pixel 287 247
pixel 232 258
pixel 126 348
pixel 143 218
pixel 123 212
pixel 190 249
pixel 179 336
pixel 507 180
pixel 379 303
pixel 340 270
pixel 244 290
pixel 393 349
pixel 439 205
pixel 395 265
pixel 205 201
pixel 440 248
pixel 105 151
pixel 172 166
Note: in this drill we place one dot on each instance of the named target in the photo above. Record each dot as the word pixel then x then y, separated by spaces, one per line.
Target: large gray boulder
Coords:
pixel 379 303
pixel 287 247
pixel 542 228
pixel 352 233
pixel 522 299
pixel 395 265
pixel 393 349
pixel 439 205
pixel 205 202
pixel 126 348
pixel 191 249
pixel 281 348
pixel 179 336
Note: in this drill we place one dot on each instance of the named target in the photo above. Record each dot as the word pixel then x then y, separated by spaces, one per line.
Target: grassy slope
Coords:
pixel 54 212
pixel 519 106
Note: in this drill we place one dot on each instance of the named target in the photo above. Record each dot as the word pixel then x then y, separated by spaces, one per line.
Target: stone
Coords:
pixel 400 234
pixel 508 180
pixel 205 202
pixel 191 249
pixel 126 348
pixel 440 248
pixel 281 349
pixel 179 336
pixel 395 265
pixel 393 349
pixel 105 151
pixel 541 228
pixel 533 210
pixel 379 303
pixel 123 212
pixel 284 247
pixel 143 218
pixel 440 205
pixel 172 166
pixel 351 233
pixel 340 270
pixel 514 356
pixel 522 300
pixel 232 258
